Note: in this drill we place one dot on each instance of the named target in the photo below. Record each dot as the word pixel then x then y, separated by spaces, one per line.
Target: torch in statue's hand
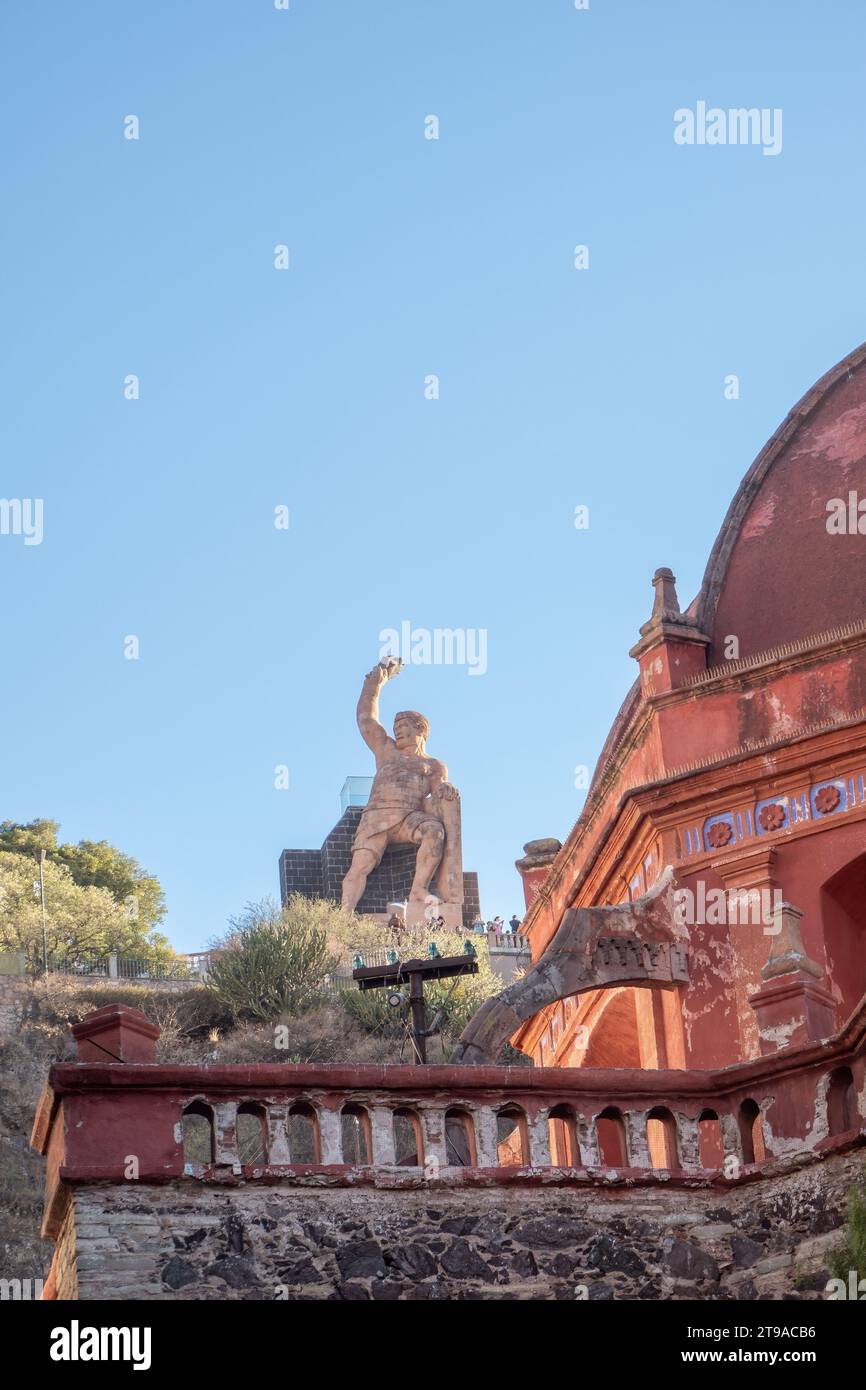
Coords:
pixel 387 668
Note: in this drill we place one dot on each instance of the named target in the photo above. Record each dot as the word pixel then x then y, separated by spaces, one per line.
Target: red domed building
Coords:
pixel 738 757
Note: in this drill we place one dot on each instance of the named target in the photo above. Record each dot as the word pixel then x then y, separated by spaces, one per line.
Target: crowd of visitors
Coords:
pixel 497 926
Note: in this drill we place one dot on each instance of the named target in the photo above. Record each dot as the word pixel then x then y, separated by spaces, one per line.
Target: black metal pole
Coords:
pixel 416 1001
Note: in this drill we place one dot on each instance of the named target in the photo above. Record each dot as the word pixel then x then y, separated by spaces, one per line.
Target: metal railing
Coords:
pixel 109 966
pixel 410 947
pixel 73 963
pixel 133 968
pixel 339 982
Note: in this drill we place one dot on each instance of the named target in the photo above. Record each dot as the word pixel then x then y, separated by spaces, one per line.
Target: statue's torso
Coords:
pixel 402 780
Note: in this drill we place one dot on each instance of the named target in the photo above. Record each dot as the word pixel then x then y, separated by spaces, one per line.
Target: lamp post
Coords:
pixel 416 971
pixel 42 901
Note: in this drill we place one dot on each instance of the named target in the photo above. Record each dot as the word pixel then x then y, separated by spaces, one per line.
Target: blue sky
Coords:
pixel 305 387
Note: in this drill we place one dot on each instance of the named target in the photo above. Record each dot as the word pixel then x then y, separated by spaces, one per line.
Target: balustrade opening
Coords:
pixel 610 1128
pixel 842 1112
pixel 252 1134
pixel 562 1135
pixel 303 1127
pixel 459 1139
pixel 355 1137
pixel 751 1123
pixel 512 1142
pixel 408 1143
pixel 197 1135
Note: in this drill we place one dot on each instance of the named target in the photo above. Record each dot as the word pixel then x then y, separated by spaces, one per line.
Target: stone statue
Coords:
pixel 411 803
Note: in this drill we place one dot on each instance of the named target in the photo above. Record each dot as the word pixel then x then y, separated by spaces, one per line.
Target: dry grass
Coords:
pixel 193 1029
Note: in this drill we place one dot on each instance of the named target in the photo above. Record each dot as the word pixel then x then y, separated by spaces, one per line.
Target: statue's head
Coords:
pixel 411 731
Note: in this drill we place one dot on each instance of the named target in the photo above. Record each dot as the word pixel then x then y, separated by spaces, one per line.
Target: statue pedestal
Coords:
pixel 418 908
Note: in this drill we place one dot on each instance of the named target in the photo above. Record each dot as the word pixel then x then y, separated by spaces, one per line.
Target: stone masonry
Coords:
pixel 192 1241
pixel 298 1182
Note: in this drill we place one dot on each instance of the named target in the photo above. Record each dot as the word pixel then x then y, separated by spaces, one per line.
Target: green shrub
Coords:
pixel 851 1254
pixel 273 962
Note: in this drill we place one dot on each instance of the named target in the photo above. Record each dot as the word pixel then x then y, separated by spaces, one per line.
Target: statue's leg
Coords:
pixel 431 843
pixel 363 863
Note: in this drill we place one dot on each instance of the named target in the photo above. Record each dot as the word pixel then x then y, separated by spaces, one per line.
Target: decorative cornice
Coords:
pixel 636 787
pixel 760 745
pixel 806 646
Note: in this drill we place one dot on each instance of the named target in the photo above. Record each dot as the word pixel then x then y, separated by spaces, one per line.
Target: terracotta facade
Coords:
pixel 738 758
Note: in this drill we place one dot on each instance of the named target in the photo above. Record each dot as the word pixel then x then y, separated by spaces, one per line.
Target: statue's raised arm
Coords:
pixel 367 713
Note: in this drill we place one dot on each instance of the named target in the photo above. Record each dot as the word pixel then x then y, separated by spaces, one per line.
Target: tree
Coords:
pixel 78 918
pixel 97 864
pixel 273 961
pixel 29 838
pixel 92 864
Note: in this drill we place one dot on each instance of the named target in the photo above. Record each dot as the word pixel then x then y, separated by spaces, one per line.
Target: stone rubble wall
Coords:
pixel 192 1241
pixel 13 1003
